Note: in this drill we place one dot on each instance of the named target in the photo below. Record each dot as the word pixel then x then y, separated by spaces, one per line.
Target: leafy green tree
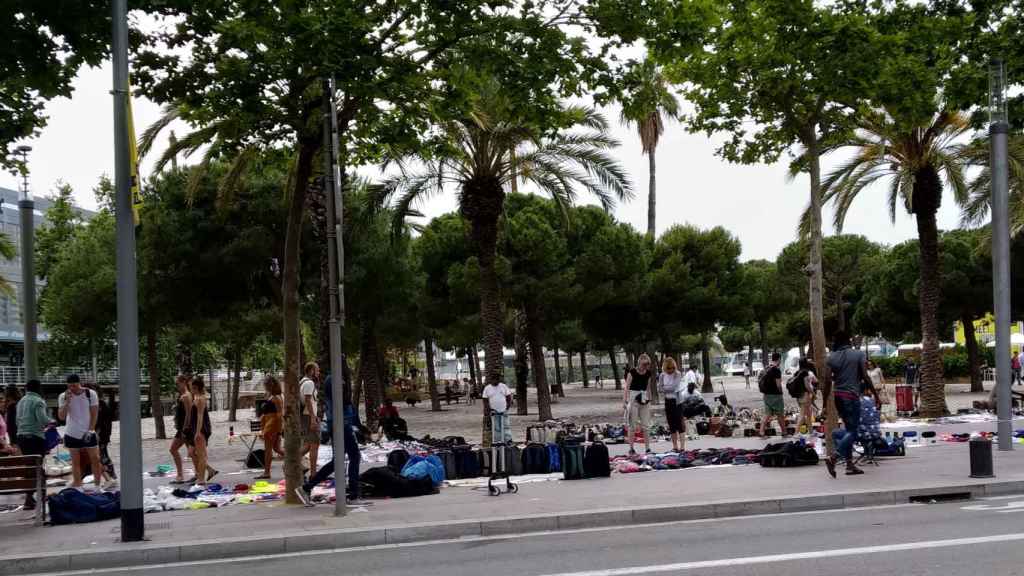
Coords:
pixel 648 102
pixel 967 288
pixel 61 222
pixel 694 283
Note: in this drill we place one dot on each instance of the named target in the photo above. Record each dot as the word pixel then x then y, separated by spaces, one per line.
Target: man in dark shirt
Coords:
pixel 774 403
pixel 849 368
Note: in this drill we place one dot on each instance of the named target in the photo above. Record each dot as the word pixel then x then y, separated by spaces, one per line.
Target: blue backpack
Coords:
pixel 554 458
pixel 73 507
pixel 418 467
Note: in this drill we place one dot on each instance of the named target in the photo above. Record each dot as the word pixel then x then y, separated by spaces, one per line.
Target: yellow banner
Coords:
pixel 133 160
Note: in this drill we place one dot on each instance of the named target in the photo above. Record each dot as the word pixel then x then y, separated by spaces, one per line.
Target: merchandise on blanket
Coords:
pixel 383 482
pixel 71 506
pixel 670 462
pixel 536 459
pixel 628 467
pixel 554 458
pixel 595 461
pixel 397 459
pixel 890 447
pixel 615 434
pixel 788 454
pixel 572 462
pixel 264 487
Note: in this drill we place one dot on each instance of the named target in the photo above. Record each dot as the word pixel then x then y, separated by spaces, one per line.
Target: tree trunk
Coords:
pixel 473 366
pixel 291 319
pixel 154 384
pixel 369 363
pixel 651 195
pixel 522 365
pixel 558 373
pixel 762 331
pixel 233 401
pixel 583 368
pixel 705 354
pixel 435 399
pixel 568 356
pixel 973 358
pixel 615 369
pixel 927 189
pixel 535 335
pixel 817 317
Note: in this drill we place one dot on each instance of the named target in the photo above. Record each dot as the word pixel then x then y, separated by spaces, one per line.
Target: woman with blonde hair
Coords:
pixel 637 399
pixel 271 423
pixel 669 383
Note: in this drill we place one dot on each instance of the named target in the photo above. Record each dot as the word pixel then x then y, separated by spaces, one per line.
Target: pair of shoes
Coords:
pixel 305 496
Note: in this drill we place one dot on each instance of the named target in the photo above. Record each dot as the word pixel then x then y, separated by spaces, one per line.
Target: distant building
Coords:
pixel 11 323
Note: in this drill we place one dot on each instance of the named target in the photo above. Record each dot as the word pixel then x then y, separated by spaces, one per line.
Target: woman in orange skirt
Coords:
pixel 271 423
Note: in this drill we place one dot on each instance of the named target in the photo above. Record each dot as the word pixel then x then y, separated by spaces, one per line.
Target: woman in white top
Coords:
pixel 885 396
pixel 669 383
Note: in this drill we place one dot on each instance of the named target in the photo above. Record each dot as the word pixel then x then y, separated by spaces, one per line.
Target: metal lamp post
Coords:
pixel 998 129
pixel 27 208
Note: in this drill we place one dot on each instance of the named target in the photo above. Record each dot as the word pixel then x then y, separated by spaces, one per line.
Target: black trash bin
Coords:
pixel 981 458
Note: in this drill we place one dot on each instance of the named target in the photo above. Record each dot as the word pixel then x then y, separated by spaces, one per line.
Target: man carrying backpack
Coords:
pixel 79 407
pixel 849 370
pixel 802 386
pixel 770 385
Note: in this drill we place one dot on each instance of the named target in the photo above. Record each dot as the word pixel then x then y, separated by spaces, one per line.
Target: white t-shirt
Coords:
pixel 307 388
pixel 497 396
pixel 78 416
pixel 690 378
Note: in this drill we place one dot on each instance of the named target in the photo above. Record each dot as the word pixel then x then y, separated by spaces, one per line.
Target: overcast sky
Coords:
pixel 755 203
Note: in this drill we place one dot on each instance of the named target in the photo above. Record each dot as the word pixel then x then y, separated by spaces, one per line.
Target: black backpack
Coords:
pixel 763 384
pixel 795 385
pixel 467 462
pixel 595 461
pixel 535 459
pixel 397 459
pixel 255 459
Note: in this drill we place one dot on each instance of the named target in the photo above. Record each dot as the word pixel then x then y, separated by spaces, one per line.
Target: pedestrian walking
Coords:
pixel 670 383
pixel 308 412
pixel 32 423
pixel 770 386
pixel 271 423
pixel 637 399
pixel 596 373
pixel 351 424
pixel 182 416
pixel 79 407
pixel 849 372
pixel 803 386
pixel 198 431
pixel 1015 369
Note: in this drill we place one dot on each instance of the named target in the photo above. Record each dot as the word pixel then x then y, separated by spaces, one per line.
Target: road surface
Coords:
pixel 957 538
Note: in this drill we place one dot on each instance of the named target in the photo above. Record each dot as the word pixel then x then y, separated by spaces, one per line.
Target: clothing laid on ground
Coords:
pixel 497 396
pixel 272 420
pixel 32 418
pixel 78 412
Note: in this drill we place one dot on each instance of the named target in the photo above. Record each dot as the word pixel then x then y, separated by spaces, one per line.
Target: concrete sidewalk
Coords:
pixel 693 493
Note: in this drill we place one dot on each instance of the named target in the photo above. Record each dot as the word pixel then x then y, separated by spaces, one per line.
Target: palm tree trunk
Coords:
pixel 471 359
pixel 558 373
pixel 933 390
pixel 705 354
pixel 973 358
pixel 522 365
pixel 583 368
pixel 535 335
pixel 615 369
pixel 291 319
pixel 816 309
pixel 568 355
pixel 233 400
pixel 154 384
pixel 369 364
pixel 651 195
pixel 435 399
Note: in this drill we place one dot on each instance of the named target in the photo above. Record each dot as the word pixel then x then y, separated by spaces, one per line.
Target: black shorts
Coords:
pixel 32 445
pixel 72 443
pixel 674 416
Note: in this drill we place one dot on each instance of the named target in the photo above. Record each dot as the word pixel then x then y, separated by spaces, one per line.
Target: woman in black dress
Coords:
pixel 197 433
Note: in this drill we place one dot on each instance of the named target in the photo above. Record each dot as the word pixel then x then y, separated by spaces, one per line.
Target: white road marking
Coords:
pixel 817 554
pixel 1017 506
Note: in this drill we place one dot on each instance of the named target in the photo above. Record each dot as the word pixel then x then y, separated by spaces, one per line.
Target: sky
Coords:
pixel 756 203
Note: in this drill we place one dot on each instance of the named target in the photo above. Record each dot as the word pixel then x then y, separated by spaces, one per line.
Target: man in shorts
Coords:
pixel 774 404
pixel 308 412
pixel 79 407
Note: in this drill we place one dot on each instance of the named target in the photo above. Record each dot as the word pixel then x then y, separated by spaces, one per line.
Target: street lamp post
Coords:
pixel 27 209
pixel 998 130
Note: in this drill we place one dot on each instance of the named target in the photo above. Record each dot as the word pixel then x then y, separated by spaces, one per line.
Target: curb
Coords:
pixel 140 554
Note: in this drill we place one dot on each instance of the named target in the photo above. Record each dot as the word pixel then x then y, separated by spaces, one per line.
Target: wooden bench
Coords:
pixel 25 475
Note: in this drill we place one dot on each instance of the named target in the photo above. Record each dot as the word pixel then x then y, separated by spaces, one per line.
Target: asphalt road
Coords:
pixel 969 538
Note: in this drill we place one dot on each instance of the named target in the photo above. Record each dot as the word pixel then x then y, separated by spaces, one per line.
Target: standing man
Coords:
pixel 32 423
pixel 351 423
pixel 498 397
pixel 308 414
pixel 79 407
pixel 849 370
pixel 770 386
pixel 1015 369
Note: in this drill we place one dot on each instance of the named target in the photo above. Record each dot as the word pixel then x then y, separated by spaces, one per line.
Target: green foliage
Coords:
pixel 61 222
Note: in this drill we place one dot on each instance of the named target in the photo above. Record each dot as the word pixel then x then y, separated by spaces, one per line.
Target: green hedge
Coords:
pixel 954 363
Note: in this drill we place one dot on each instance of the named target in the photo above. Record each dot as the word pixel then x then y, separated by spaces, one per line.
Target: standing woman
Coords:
pixel 198 432
pixel 182 408
pixel 807 373
pixel 637 399
pixel 271 424
pixel 884 396
pixel 669 383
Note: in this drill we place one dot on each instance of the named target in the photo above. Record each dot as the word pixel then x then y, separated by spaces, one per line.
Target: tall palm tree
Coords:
pixel 486 150
pixel 916 158
pixel 649 104
pixel 976 211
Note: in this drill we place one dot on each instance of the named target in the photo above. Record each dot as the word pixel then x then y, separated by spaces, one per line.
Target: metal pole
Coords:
pixel 26 209
pixel 334 323
pixel 998 129
pixel 132 523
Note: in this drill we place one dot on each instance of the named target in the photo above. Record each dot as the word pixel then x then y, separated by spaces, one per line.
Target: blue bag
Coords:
pixel 554 458
pixel 418 467
pixel 52 438
pixel 73 507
